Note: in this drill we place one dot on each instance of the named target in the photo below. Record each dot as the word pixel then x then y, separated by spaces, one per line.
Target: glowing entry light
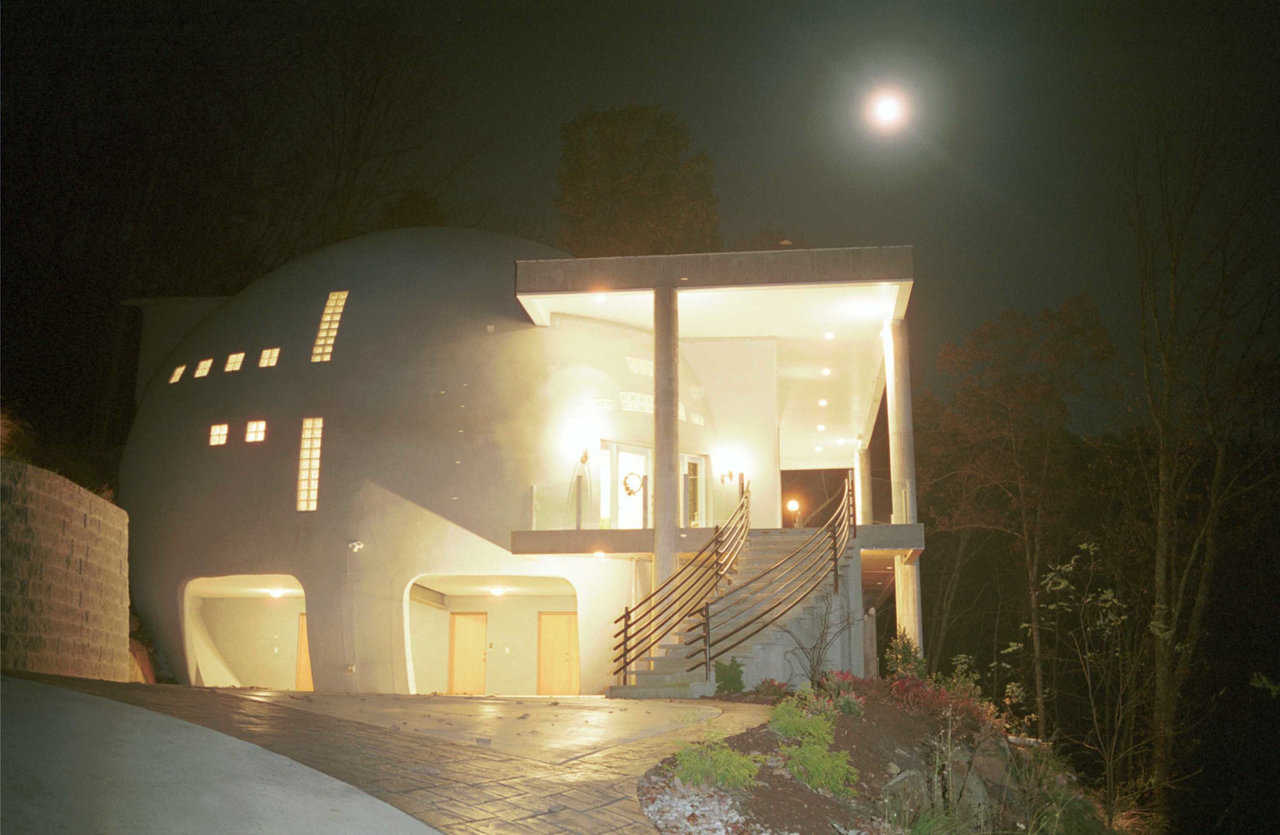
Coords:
pixel 793 505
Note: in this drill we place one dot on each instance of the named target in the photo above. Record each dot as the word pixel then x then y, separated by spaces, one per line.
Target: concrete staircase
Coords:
pixel 663 674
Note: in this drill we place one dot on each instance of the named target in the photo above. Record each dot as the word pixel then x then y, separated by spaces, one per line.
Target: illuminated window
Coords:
pixel 202 370
pixel 218 434
pixel 234 361
pixel 322 351
pixel 309 463
pixel 177 374
pixel 268 357
pixel 255 431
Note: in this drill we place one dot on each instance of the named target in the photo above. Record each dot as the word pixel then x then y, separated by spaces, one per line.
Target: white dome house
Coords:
pixel 439 460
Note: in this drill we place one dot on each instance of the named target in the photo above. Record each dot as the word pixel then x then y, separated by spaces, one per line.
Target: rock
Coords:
pixel 905 794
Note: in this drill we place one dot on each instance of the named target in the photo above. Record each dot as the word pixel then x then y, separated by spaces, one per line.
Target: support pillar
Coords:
pixel 862 486
pixel 666 428
pixel 870 655
pixel 906 597
pixel 902 445
pixel 851 591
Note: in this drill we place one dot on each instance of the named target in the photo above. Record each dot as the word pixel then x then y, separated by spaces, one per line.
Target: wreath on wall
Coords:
pixel 632 482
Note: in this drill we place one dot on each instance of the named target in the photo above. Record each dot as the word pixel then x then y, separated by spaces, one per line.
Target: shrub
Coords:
pixel 728 677
pixel 850 704
pixel 818 768
pixel 840 686
pixel 815 703
pixel 791 721
pixel 772 689
pixel 715 763
pixel 902 658
pixel 927 697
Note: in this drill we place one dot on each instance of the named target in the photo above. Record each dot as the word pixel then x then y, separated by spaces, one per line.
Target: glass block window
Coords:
pixel 177 374
pixel 309 463
pixel 202 370
pixel 268 357
pixel 255 431
pixel 234 361
pixel 218 434
pixel 322 351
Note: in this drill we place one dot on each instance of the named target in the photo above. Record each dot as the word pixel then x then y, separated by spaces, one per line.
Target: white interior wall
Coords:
pixel 511 637
pixel 429 635
pixel 740 378
pixel 257 636
pixel 205 665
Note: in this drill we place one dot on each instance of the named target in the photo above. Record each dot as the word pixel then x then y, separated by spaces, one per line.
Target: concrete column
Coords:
pixel 851 586
pixel 906 597
pixel 666 430
pixel 870 657
pixel 902 445
pixel 862 486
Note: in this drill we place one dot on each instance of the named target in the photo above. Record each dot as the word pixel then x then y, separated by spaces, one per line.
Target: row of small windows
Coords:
pixel 321 351
pixel 267 359
pixel 255 431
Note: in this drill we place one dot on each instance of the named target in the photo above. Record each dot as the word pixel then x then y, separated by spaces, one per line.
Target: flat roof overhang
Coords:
pixel 825 308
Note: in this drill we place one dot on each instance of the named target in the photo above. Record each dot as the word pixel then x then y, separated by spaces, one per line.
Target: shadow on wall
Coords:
pixel 507 635
pixel 247 630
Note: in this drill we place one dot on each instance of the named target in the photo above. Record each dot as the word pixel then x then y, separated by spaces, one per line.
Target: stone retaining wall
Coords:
pixel 64 574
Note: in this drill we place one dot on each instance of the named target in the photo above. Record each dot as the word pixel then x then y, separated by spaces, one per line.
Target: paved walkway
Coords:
pixel 459 764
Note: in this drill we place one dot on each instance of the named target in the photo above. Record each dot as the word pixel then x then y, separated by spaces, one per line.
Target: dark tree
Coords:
pixel 629 185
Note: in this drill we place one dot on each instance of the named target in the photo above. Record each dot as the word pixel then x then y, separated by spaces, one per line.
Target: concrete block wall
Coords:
pixel 64 577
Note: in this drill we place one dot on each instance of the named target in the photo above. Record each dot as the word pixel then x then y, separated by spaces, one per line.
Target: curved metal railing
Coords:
pixel 748 609
pixel 646 624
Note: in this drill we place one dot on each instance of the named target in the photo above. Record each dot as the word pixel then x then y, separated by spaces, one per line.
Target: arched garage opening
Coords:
pixel 502 635
pixel 247 630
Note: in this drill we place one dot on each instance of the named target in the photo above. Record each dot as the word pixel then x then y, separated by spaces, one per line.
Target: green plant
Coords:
pixel 728 677
pixel 850 704
pixel 819 768
pixel 791 721
pixel 902 658
pixel 715 763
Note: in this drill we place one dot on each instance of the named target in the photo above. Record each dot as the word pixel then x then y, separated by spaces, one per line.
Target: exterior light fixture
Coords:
pixel 794 507
pixel 355 546
pixel 823 402
pixel 826 372
pixel 886 110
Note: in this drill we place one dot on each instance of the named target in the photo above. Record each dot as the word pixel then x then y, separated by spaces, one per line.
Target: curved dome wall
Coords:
pixel 441 399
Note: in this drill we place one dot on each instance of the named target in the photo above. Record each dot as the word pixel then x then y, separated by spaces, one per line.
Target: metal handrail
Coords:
pixel 790 581
pixel 647 623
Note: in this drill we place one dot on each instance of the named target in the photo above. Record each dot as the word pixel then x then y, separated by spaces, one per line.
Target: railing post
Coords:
pixel 706 641
pixel 626 628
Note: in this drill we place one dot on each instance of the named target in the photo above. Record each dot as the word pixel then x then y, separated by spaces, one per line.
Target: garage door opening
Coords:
pixel 247 630
pixel 501 635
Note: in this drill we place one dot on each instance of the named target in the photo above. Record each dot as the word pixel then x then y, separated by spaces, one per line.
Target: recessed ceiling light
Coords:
pixel 828 335
pixel 826 372
pixel 497 591
pixel 817 449
pixel 822 427
pixel 822 402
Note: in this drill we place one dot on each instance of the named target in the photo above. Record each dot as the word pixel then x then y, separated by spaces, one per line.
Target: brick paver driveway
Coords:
pixel 461 765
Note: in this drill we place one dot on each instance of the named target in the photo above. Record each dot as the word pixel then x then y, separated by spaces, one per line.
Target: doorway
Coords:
pixel 467 653
pixel 558 673
pixel 246 630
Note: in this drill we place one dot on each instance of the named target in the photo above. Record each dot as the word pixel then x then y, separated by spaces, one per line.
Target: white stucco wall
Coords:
pixel 257 637
pixel 740 379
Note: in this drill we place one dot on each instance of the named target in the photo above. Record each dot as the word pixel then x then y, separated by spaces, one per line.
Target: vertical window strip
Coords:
pixel 309 463
pixel 202 370
pixel 268 357
pixel 218 434
pixel 322 351
pixel 234 361
pixel 255 431
pixel 177 374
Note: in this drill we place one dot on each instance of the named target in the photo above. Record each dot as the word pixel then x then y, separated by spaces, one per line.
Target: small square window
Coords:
pixel 202 370
pixel 234 361
pixel 255 431
pixel 218 434
pixel 177 374
pixel 268 357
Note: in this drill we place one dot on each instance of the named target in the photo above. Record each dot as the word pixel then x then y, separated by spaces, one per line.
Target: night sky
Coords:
pixel 1009 181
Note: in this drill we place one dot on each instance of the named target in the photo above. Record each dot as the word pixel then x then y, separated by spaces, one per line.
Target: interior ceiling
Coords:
pixel 454 585
pixel 832 326
pixel 246 585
